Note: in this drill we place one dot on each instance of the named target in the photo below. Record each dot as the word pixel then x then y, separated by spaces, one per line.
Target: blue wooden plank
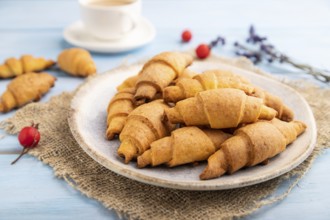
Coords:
pixel 49 43
pixel 37 15
pixel 208 13
pixel 308 200
pixel 28 190
pixel 299 28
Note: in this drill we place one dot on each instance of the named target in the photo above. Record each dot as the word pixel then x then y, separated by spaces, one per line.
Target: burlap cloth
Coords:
pixel 134 200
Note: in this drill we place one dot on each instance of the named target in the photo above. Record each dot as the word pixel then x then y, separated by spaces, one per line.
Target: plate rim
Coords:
pixel 104 49
pixel 99 158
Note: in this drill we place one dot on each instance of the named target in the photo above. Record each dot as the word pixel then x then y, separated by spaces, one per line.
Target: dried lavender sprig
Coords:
pixel 254 56
pixel 317 73
pixel 253 37
pixel 276 55
pixel 218 40
pixel 271 54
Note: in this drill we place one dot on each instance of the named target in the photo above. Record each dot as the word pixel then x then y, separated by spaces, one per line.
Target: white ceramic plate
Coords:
pixel 88 125
pixel 143 34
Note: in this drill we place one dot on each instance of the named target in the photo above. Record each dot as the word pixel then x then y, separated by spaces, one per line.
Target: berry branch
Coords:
pixel 29 138
pixel 262 51
pixel 203 50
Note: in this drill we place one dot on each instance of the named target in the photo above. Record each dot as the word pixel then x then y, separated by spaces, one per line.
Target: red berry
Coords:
pixel 186 36
pixel 203 51
pixel 29 138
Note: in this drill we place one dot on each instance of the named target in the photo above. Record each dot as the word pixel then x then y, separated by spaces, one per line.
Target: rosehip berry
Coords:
pixel 29 138
pixel 186 36
pixel 203 51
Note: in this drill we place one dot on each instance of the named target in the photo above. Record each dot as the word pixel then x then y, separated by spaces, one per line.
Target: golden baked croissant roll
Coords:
pixel 158 73
pixel 131 81
pixel 118 109
pixel 24 89
pixel 212 79
pixel 252 145
pixel 27 63
pixel 143 126
pixel 275 102
pixel 185 145
pixel 77 62
pixel 219 108
pixel 187 73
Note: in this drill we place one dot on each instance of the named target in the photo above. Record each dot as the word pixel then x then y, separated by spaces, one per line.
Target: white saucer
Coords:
pixel 77 35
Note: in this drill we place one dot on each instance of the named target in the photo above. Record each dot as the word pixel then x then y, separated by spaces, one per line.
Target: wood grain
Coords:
pixel 299 28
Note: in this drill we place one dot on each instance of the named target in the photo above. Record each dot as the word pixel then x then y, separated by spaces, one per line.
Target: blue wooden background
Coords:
pixel 300 28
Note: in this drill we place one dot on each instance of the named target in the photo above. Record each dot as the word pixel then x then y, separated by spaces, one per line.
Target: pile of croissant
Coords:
pixel 30 84
pixel 167 114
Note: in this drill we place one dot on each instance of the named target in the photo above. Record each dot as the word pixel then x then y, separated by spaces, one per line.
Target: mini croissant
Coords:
pixel 185 145
pixel 26 64
pixel 219 108
pixel 251 145
pixel 275 102
pixel 131 81
pixel 24 89
pixel 143 126
pixel 186 74
pixel 158 73
pixel 212 79
pixel 77 62
pixel 118 109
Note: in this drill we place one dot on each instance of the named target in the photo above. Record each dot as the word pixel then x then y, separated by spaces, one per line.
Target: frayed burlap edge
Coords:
pixel 134 200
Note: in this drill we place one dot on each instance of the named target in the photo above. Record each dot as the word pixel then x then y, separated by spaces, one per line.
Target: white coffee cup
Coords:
pixel 110 19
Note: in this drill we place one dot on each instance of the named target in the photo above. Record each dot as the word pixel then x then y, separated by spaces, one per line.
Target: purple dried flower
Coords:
pixel 215 42
pixel 254 56
pixel 268 52
pixel 266 47
pixel 283 58
pixel 253 37
pixel 222 40
pixel 270 60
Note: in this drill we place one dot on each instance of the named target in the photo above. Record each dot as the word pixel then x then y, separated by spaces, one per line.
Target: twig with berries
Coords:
pixel 203 50
pixel 266 51
pixel 29 138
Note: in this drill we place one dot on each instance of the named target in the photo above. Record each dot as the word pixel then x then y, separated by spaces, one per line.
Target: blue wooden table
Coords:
pixel 299 28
